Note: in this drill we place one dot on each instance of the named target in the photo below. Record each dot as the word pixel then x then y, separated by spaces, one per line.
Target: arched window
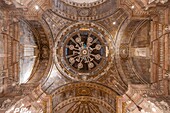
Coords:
pixel 27 52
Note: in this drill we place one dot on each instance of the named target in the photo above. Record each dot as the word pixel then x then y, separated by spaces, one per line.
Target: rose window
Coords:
pixel 84 51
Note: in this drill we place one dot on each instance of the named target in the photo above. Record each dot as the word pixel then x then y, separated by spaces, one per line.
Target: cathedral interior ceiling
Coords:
pixel 87 54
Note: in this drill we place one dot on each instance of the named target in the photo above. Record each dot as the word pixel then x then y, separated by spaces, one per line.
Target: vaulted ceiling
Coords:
pixel 88 56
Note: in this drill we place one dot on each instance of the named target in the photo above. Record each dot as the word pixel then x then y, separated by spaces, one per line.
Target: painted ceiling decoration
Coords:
pixel 84 56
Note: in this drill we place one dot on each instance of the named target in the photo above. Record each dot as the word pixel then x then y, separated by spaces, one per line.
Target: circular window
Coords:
pixel 82 51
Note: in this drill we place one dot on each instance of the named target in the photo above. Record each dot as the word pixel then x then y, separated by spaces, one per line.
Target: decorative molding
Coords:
pixel 93 4
pixel 70 12
pixel 84 92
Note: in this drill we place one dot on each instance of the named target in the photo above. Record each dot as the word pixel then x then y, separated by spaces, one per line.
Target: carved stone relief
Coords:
pixel 68 10
pixel 84 12
pixel 84 95
pixel 128 62
pixel 6 104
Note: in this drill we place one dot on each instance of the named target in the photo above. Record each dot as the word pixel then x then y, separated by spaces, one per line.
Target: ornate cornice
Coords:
pixel 72 3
